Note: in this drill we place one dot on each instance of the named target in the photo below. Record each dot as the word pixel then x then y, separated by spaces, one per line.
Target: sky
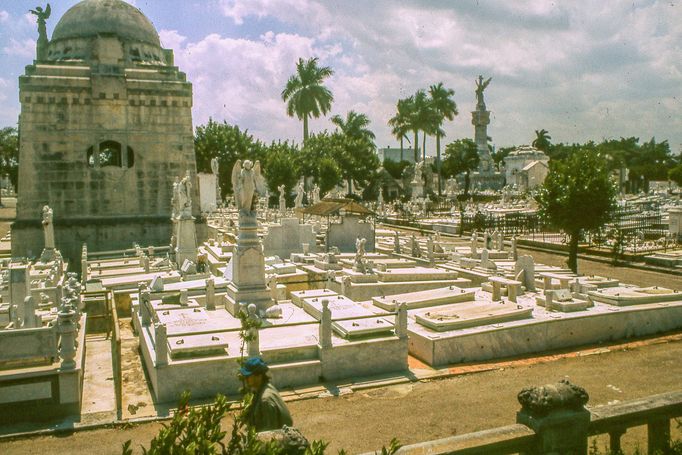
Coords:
pixel 583 70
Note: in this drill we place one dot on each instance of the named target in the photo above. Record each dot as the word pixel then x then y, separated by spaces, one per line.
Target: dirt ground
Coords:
pixel 365 420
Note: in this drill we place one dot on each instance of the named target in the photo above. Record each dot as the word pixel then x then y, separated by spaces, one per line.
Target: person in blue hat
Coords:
pixel 268 410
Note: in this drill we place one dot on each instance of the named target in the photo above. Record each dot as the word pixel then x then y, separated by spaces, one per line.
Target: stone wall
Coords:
pixel 101 145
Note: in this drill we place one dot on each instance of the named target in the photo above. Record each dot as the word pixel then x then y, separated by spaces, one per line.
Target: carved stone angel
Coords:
pixel 246 182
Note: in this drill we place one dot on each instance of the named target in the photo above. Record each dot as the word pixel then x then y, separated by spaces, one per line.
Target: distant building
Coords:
pixel 524 159
pixel 393 154
pixel 532 175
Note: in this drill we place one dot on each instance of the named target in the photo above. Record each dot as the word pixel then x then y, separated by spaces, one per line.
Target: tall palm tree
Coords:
pixel 304 93
pixel 399 124
pixel 354 126
pixel 422 118
pixel 446 108
pixel 542 140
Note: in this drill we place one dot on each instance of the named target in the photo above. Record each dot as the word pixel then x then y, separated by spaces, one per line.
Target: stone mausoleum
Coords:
pixel 106 127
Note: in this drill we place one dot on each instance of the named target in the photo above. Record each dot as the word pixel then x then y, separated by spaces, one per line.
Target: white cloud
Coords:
pixel 4 16
pixel 582 70
pixel 25 48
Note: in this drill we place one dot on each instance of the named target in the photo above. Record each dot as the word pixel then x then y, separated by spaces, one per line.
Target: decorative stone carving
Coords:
pixel 282 199
pixel 300 191
pixel 247 181
pixel 540 401
pixel 41 44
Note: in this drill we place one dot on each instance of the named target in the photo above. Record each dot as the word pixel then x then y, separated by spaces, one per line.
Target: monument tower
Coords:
pixel 106 127
pixel 486 177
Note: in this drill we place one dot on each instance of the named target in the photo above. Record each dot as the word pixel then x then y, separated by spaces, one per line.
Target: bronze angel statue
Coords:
pixel 247 181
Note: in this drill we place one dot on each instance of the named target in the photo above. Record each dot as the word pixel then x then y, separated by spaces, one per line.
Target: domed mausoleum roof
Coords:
pixel 90 18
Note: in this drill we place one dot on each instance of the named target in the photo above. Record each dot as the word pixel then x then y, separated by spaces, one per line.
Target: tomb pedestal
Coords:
pixel 247 268
pixel 186 241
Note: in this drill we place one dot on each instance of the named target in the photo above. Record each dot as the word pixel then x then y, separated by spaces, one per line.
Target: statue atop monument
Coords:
pixel 185 196
pixel 246 182
pixel 41 45
pixel 480 87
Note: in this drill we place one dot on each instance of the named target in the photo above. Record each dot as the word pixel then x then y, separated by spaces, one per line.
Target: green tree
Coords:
pixel 228 143
pixel 400 124
pixel 354 126
pixel 578 195
pixel 305 93
pixel 446 109
pixel 358 159
pixel 500 154
pixel 9 154
pixel 461 156
pixel 396 168
pixel 542 140
pixel 675 174
pixel 280 166
pixel 318 159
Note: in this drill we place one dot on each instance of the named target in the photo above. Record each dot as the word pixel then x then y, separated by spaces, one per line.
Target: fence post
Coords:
pixel 557 414
pixel 658 436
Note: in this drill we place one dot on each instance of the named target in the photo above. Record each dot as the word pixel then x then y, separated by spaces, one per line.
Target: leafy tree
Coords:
pixel 498 155
pixel 318 159
pixel 542 140
pixel 461 156
pixel 400 125
pixel 9 154
pixel 280 166
pixel 396 168
pixel 446 109
pixel 357 158
pixel 304 93
pixel 228 143
pixel 675 174
pixel 578 195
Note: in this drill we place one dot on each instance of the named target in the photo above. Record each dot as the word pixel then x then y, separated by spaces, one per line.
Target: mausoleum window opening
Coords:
pixel 110 153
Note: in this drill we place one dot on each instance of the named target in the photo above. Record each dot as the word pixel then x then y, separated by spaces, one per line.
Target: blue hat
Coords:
pixel 254 365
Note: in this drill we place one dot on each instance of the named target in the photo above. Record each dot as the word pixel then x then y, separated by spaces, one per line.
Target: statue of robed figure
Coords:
pixel 41 44
pixel 247 181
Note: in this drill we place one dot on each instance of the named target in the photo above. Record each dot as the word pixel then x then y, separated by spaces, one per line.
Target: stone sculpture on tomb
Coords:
pixel 271 283
pixel 300 191
pixel 247 181
pixel 42 43
pixel 282 199
pixel 48 233
pixel 416 249
pixel 360 264
pixel 215 168
pixel 330 278
pixel 396 242
pixel 185 197
pixel 316 194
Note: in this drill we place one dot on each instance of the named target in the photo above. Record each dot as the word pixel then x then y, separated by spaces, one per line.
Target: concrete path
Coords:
pixel 99 396
pixel 362 419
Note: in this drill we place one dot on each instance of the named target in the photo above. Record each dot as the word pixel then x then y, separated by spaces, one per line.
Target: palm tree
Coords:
pixel 357 137
pixel 399 124
pixel 542 140
pixel 354 126
pixel 446 108
pixel 304 93
pixel 423 118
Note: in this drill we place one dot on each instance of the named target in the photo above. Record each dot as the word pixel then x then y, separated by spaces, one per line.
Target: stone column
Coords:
pixel 184 297
pixel 401 320
pixel 497 290
pixel 66 328
pixel 557 414
pixel 210 294
pixel 253 343
pixel 29 312
pixel 513 254
pixel 161 344
pixel 512 292
pixel 145 307
pixel 326 326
